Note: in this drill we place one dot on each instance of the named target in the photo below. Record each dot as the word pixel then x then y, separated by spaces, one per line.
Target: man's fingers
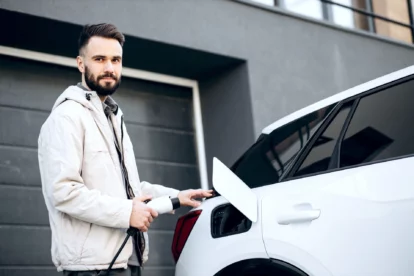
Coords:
pixel 146 214
pixel 150 219
pixel 193 203
pixel 202 193
pixel 154 213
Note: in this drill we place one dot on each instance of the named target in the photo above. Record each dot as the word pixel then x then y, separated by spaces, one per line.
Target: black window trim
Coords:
pixel 304 152
pixel 298 154
pixel 335 160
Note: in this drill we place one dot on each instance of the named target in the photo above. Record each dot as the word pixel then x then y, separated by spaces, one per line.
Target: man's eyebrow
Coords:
pixel 98 56
pixel 102 56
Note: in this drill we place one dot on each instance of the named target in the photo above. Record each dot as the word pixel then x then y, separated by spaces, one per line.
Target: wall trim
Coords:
pixel 136 74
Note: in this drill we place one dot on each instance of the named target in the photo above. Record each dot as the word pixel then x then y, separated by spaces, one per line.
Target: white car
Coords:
pixel 327 190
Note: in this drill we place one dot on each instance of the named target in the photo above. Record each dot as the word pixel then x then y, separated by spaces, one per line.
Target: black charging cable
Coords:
pixel 130 233
pixel 175 202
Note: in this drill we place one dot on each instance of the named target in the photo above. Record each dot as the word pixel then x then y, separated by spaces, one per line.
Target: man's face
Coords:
pixel 101 64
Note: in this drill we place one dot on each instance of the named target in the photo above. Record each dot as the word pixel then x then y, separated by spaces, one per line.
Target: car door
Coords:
pixel 347 205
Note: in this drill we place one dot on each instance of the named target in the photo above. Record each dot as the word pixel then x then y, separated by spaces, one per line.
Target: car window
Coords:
pixel 381 127
pixel 319 157
pixel 266 161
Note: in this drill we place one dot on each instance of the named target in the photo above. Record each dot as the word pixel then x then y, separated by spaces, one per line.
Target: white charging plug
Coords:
pixel 161 204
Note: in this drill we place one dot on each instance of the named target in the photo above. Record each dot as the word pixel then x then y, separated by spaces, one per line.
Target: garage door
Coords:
pixel 159 121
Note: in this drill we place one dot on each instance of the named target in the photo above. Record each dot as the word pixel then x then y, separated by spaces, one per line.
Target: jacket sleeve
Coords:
pixel 157 190
pixel 60 160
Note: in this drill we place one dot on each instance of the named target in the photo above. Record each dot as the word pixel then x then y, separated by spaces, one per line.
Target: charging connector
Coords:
pixel 162 205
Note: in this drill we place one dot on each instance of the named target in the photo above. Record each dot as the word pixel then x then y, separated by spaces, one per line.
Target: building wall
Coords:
pixel 291 61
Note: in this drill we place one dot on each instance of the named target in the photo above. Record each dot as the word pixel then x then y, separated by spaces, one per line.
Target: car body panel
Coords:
pixel 200 247
pixel 365 220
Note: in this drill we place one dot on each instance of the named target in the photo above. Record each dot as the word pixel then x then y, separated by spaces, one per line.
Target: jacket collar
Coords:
pixel 108 105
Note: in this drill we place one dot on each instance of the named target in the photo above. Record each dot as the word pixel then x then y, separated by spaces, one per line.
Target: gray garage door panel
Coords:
pixel 34 271
pixel 19 166
pixel 159 120
pixel 31 84
pixel 20 127
pixel 25 245
pixel 161 145
pixel 178 176
pixel 150 110
pixel 160 239
pixel 151 271
pixel 27 204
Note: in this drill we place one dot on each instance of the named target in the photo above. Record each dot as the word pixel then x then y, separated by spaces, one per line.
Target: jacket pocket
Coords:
pixel 84 241
pixel 73 234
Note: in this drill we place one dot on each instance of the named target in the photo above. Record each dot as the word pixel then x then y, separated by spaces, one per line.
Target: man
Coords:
pixel 89 176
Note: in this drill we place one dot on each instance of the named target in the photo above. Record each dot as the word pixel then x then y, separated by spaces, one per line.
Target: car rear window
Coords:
pixel 268 158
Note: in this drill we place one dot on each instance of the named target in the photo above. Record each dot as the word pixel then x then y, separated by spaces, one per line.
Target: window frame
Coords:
pixel 322 129
pixel 263 136
pixel 334 163
pixel 303 152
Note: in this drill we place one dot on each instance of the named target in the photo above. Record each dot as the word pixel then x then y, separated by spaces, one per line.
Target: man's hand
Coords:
pixel 141 215
pixel 187 197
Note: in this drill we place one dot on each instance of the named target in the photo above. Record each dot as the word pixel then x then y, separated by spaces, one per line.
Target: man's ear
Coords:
pixel 81 64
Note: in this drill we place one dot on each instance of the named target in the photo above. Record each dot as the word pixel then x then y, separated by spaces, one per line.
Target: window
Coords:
pixel 267 2
pixel 312 8
pixel 319 157
pixel 389 18
pixel 381 127
pixel 344 16
pixel 266 161
pixel 396 10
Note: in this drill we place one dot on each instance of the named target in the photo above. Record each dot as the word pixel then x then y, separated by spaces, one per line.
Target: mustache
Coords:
pixel 108 75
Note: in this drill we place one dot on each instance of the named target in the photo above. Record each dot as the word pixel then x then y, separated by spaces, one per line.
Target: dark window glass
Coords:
pixel 319 157
pixel 381 128
pixel 268 158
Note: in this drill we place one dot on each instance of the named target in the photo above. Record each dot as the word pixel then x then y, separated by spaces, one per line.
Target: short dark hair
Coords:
pixel 105 30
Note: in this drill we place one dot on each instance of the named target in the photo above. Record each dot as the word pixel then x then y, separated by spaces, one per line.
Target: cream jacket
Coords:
pixel 82 183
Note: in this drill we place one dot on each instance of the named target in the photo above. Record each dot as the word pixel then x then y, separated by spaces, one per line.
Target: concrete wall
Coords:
pixel 227 115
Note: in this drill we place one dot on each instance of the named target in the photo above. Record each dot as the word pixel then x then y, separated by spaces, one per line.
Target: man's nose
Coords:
pixel 109 67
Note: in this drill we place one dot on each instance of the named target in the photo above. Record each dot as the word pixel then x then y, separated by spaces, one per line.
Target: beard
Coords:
pixel 102 90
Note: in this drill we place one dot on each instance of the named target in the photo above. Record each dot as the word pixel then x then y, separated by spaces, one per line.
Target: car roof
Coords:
pixel 340 96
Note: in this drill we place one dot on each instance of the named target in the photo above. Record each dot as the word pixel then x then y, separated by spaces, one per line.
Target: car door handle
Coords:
pixel 298 216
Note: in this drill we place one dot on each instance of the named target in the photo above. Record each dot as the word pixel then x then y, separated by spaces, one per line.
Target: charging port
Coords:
pixel 226 220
